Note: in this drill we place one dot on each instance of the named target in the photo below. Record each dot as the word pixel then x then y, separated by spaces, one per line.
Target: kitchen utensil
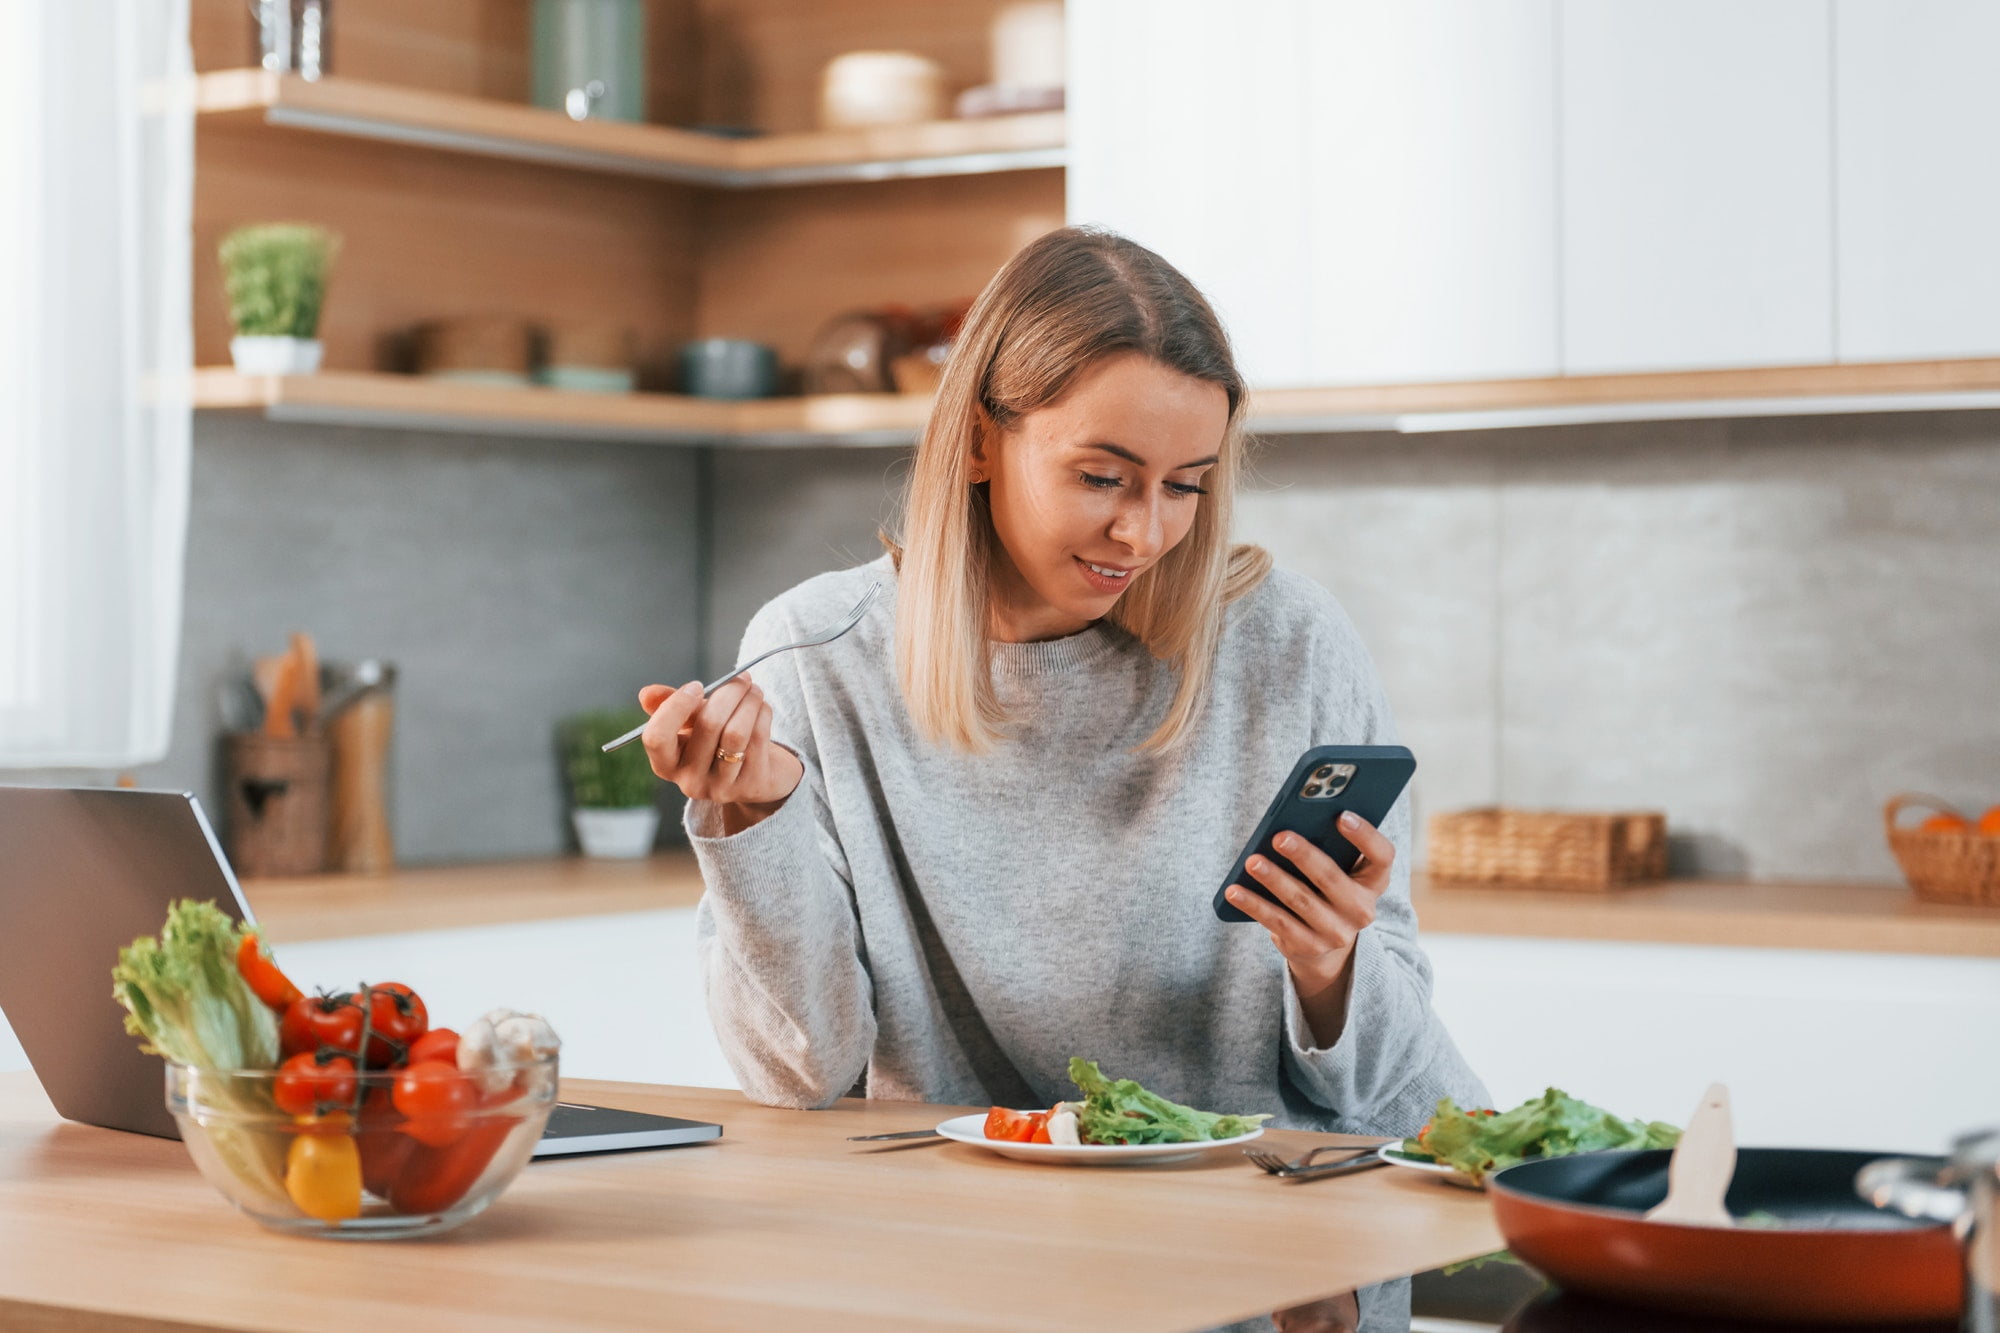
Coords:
pixel 971 1130
pixel 343 685
pixel 305 682
pixel 814 641
pixel 1366 1162
pixel 1698 1173
pixel 1273 1164
pixel 590 58
pixel 863 88
pixel 891 1138
pixel 728 368
pixel 1806 1247
pixel 1964 1191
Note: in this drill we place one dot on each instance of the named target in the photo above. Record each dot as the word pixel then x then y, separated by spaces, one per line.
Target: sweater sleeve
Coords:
pixel 788 991
pixel 1393 1059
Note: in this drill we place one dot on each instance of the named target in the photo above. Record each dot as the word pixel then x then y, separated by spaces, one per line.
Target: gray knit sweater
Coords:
pixel 919 924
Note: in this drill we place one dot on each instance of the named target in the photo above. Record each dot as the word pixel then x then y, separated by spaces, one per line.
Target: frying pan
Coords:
pixel 1825 1255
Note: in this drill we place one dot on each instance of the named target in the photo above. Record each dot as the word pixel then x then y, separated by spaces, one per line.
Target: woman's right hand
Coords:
pixel 692 737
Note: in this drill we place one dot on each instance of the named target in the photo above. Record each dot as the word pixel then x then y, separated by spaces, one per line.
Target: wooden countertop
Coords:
pixel 1865 918
pixel 320 907
pixel 1869 918
pixel 780 1224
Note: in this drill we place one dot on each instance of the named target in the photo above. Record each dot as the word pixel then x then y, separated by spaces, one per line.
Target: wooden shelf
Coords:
pixel 409 402
pixel 461 124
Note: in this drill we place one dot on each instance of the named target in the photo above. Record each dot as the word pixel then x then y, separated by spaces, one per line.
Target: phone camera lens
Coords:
pixel 1312 789
pixel 1323 772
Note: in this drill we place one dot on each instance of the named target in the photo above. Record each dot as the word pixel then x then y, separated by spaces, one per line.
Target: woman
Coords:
pixel 980 834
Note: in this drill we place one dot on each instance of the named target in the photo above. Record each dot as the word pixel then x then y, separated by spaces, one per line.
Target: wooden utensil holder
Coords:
pixel 1548 848
pixel 277 804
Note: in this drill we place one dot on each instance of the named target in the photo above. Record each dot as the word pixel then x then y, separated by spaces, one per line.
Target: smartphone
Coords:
pixel 1327 781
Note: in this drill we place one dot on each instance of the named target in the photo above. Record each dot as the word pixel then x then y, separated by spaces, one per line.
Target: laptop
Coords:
pixel 84 872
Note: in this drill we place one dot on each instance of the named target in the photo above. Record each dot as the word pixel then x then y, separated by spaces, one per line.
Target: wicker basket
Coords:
pixel 1552 849
pixel 1944 867
pixel 277 804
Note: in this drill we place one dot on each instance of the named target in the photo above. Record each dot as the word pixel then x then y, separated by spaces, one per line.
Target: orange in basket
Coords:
pixel 1945 859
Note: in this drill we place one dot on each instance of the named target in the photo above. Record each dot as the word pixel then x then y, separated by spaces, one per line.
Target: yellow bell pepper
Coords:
pixel 323 1169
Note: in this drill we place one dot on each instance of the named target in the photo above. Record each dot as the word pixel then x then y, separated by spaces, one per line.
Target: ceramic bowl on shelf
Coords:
pixel 371 1174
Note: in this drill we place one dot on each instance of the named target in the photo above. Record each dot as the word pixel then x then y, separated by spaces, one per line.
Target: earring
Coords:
pixel 978 478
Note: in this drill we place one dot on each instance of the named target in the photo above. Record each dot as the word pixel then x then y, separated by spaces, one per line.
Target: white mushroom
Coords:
pixel 504 1037
pixel 1062 1128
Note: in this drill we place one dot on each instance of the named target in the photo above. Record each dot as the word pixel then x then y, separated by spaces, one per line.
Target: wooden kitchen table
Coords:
pixel 780 1224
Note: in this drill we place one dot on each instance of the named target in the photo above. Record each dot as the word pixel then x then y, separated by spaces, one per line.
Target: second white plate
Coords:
pixel 1393 1154
pixel 971 1129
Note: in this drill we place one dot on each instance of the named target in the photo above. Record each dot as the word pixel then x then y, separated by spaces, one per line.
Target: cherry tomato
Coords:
pixel 1014 1126
pixel 334 1021
pixel 435 1096
pixel 295 1032
pixel 396 1017
pixel 266 982
pixel 439 1044
pixel 313 1081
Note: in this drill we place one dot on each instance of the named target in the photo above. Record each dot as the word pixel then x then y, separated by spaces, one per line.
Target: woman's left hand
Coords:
pixel 1320 911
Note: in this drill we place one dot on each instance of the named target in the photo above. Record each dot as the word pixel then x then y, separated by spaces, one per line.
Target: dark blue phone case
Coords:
pixel 1380 774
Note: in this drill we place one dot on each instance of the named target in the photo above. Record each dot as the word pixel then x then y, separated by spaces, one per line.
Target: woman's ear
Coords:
pixel 985 434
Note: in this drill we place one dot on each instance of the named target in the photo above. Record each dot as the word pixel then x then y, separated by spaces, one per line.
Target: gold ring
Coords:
pixel 725 757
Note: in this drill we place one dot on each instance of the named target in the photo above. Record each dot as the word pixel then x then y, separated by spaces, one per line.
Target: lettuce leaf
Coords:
pixel 1120 1111
pixel 1554 1124
pixel 185 999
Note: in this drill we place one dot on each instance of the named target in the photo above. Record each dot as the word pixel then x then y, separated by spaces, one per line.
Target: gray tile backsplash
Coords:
pixel 511 581
pixel 1764 627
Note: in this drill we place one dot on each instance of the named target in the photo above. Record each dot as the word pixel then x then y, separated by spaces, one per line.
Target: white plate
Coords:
pixel 972 1129
pixel 1393 1154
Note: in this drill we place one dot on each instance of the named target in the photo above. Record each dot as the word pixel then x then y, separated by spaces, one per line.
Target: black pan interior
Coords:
pixel 1788 1187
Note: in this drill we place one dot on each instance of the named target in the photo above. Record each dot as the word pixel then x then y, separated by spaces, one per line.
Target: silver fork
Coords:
pixel 824 636
pixel 1272 1164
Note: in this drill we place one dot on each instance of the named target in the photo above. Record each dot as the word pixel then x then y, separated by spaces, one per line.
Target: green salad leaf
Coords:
pixel 1554 1124
pixel 186 1000
pixel 1120 1111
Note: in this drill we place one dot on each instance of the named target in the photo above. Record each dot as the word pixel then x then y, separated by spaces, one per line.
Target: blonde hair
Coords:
pixel 1065 302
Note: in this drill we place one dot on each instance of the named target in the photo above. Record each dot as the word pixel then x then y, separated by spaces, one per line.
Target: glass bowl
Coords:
pixel 360 1170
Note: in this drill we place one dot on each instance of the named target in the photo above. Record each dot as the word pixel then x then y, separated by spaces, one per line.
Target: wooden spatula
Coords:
pixel 1703 1162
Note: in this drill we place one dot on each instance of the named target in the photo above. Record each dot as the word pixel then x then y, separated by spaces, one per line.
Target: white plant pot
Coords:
pixel 262 355
pixel 618 835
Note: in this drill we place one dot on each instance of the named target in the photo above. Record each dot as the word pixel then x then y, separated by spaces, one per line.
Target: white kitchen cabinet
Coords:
pixel 1696 194
pixel 623 992
pixel 1431 170
pixel 1186 133
pixel 1917 108
pixel 1835 1050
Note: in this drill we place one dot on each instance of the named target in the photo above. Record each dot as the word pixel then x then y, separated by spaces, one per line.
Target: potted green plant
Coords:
pixel 275 275
pixel 611 795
